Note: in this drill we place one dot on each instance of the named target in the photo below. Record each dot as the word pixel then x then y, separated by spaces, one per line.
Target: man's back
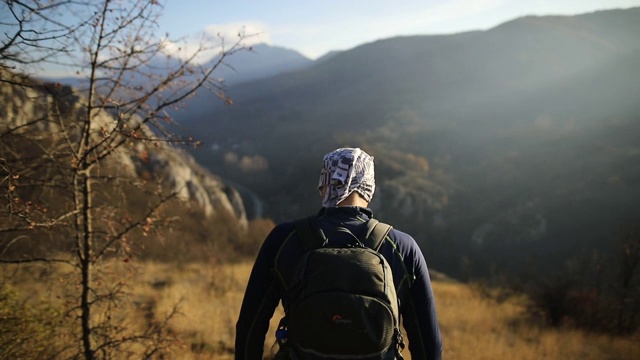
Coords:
pixel 344 287
pixel 284 248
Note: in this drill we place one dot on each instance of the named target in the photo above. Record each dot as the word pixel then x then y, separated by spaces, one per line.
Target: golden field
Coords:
pixel 208 297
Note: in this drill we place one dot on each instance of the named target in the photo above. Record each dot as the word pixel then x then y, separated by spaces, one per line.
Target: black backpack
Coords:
pixel 342 301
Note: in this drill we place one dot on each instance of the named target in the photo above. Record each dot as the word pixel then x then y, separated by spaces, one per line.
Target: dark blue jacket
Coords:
pixel 282 249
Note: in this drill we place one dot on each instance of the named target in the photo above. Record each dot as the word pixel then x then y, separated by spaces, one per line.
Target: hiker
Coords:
pixel 346 186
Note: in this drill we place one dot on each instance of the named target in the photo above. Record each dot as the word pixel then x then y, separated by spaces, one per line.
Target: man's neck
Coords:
pixel 354 200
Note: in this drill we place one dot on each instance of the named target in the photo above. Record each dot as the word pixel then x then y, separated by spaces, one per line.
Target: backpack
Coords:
pixel 342 302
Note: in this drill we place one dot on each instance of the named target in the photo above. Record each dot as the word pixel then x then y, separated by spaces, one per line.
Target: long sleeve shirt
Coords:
pixel 279 256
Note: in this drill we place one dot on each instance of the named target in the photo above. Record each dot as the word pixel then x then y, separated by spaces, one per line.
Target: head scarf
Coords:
pixel 344 171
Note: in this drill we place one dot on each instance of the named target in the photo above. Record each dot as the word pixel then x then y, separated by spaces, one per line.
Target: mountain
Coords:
pixel 256 62
pixel 512 149
pixel 253 63
pixel 261 61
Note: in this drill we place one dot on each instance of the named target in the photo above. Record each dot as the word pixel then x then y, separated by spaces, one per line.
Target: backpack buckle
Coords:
pixel 399 340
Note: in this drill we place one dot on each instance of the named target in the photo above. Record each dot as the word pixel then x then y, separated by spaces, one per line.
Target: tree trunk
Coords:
pixel 84 187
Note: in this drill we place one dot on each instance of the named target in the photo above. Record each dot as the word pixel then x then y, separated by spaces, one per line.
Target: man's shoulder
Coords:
pixel 283 229
pixel 399 233
pixel 290 224
pixel 402 241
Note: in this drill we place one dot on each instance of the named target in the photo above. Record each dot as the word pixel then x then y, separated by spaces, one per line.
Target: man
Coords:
pixel 346 185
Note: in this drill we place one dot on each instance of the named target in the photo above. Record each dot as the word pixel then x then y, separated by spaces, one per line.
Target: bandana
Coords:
pixel 344 171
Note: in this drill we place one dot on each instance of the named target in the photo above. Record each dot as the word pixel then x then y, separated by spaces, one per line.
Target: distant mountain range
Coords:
pixel 499 148
pixel 255 62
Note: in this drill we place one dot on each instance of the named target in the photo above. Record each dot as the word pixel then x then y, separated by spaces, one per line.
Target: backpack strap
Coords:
pixel 376 232
pixel 310 233
pixel 313 237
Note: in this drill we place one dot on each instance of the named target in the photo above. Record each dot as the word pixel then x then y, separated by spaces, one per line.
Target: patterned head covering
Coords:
pixel 344 171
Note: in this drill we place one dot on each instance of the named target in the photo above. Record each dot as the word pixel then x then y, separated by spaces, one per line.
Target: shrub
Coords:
pixel 28 332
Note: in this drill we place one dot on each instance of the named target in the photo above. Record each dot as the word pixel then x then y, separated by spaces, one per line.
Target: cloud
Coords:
pixel 254 33
pixel 213 39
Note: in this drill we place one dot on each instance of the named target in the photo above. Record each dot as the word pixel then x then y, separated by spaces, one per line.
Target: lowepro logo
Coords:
pixel 337 319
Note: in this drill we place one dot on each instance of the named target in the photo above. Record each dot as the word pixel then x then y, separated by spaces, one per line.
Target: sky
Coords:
pixel 314 28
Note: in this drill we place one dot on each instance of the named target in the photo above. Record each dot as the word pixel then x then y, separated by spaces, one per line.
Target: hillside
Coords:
pixel 502 149
pixel 208 298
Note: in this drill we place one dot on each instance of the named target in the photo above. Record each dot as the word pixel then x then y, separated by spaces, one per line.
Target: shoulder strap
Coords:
pixel 312 236
pixel 310 233
pixel 376 232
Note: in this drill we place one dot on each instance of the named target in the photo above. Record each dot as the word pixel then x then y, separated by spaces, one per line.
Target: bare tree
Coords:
pixel 59 167
pixel 33 33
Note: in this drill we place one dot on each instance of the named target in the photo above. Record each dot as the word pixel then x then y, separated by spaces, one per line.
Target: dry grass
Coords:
pixel 476 327
pixel 209 297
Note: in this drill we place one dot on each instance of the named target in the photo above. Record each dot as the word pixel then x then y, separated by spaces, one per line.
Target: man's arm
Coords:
pixel 419 310
pixel 260 300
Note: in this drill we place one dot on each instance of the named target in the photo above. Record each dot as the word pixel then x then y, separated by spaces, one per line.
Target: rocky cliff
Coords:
pixel 38 105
